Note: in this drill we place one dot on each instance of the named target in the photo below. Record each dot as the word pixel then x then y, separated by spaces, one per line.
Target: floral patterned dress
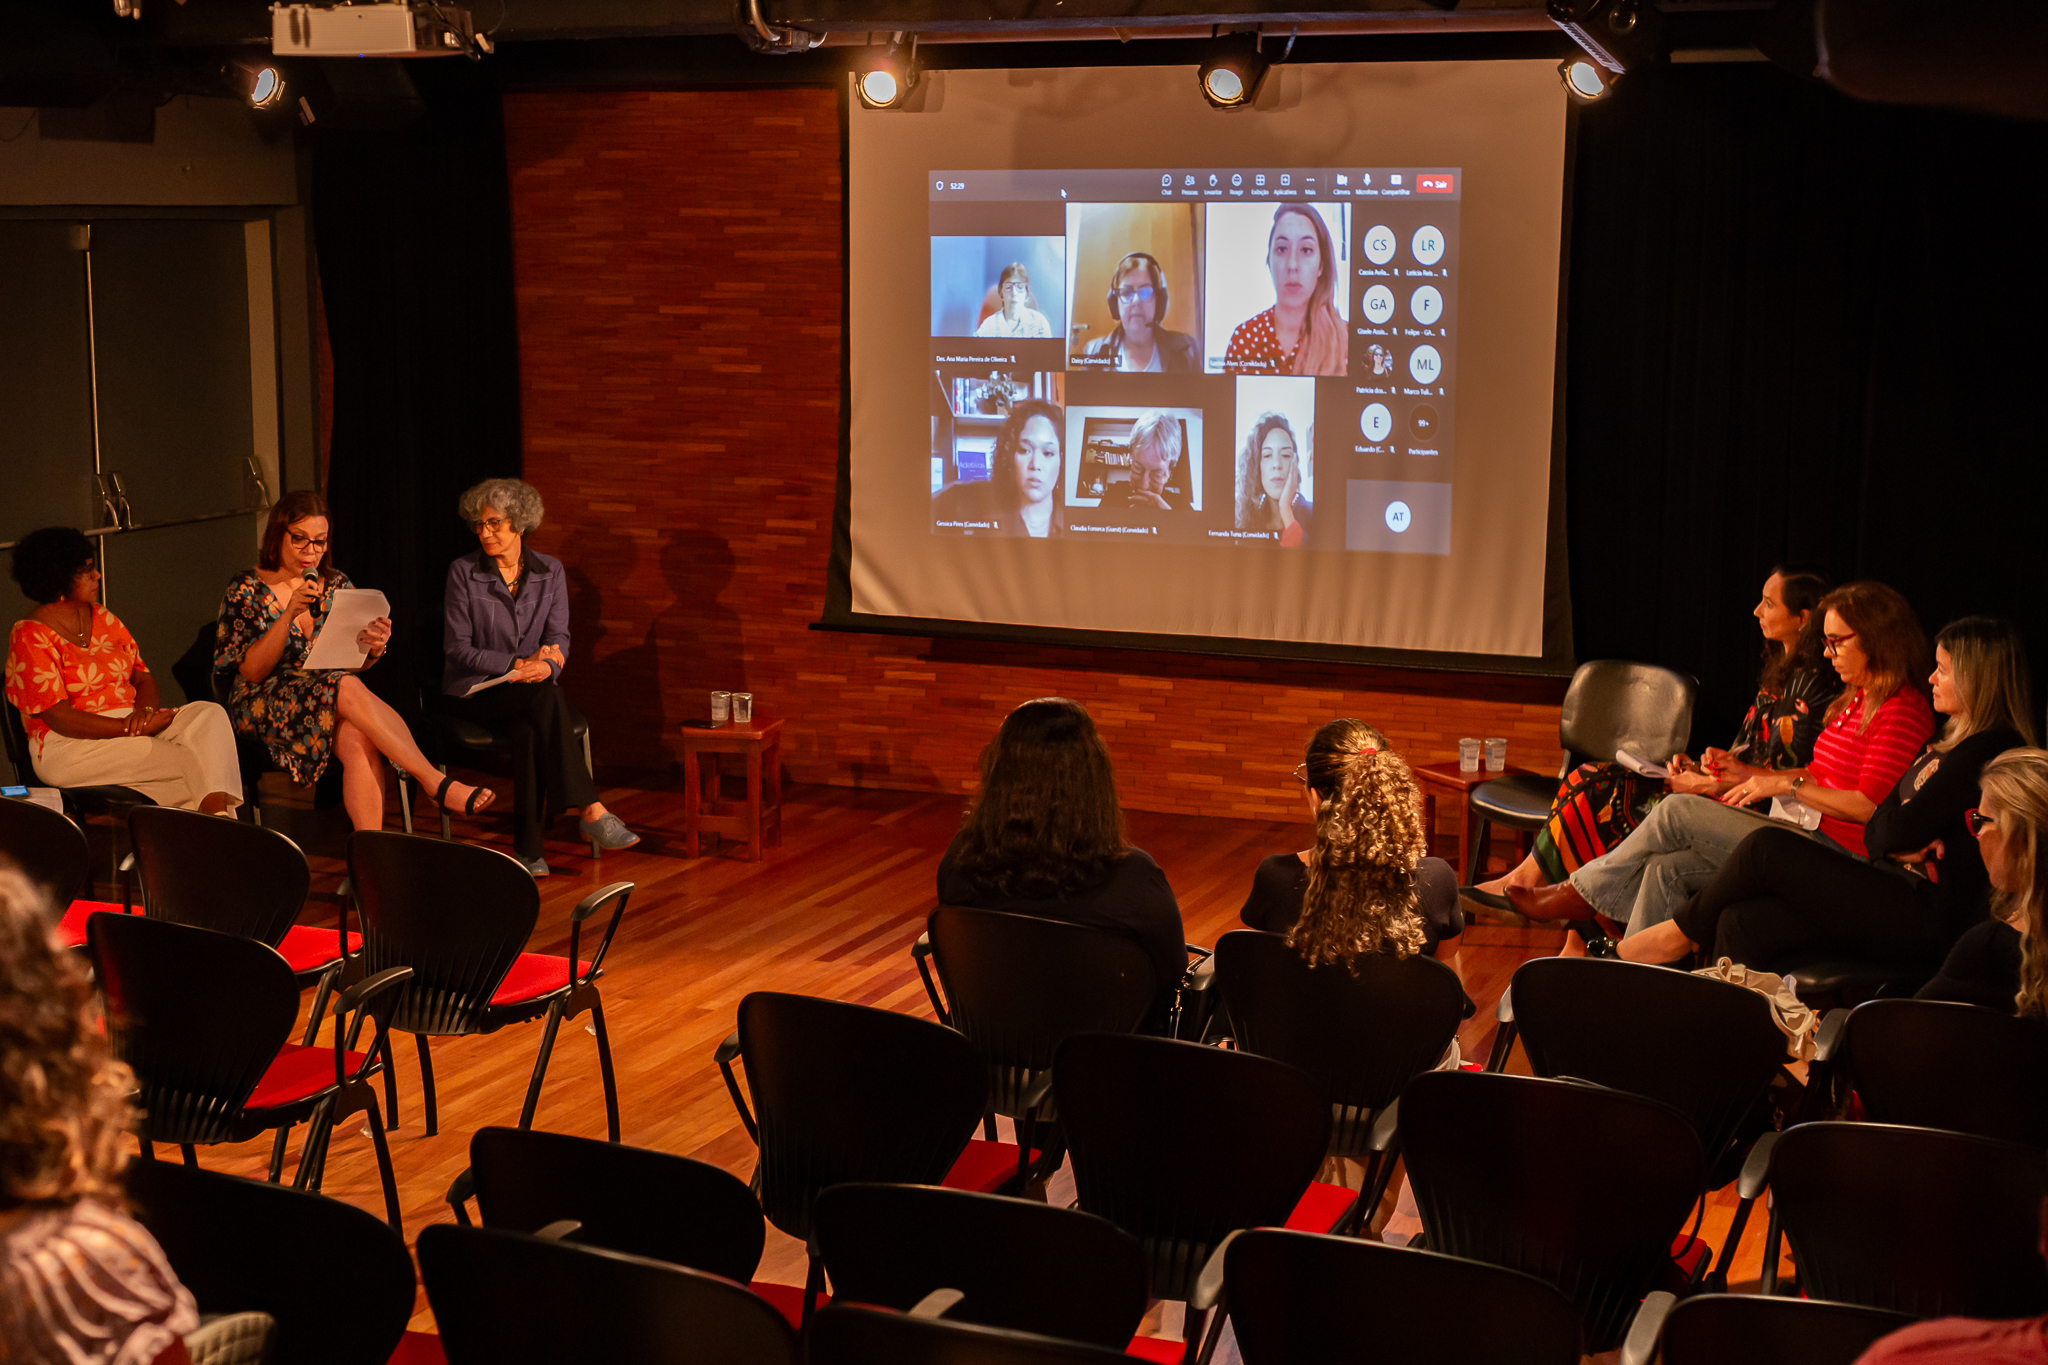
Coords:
pixel 291 711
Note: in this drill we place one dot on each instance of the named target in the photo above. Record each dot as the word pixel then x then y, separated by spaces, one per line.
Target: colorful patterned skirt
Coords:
pixel 1597 806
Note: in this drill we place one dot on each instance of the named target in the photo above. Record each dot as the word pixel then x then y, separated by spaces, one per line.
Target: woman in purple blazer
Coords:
pixel 507 617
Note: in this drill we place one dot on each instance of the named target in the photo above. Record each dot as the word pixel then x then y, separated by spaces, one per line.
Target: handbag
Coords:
pixel 1794 1020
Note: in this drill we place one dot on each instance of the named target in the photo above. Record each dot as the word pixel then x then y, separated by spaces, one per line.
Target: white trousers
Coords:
pixel 191 757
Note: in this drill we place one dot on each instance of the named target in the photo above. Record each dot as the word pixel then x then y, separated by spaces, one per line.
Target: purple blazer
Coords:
pixel 485 629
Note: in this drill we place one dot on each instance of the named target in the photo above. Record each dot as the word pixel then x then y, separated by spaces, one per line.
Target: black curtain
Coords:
pixel 414 233
pixel 1805 331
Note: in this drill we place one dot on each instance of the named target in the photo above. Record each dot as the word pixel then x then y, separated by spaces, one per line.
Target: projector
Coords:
pixel 375 30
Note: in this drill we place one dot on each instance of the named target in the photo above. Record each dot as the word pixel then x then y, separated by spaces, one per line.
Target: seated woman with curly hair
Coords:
pixel 1045 836
pixel 80 1282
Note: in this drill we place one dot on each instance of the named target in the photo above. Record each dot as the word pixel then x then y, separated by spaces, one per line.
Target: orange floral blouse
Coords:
pixel 44 668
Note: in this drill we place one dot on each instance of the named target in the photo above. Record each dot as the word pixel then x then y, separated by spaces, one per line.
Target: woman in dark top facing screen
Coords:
pixel 1923 884
pixel 1365 886
pixel 1045 836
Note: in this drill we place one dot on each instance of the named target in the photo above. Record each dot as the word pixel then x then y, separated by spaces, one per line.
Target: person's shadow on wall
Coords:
pixel 698 635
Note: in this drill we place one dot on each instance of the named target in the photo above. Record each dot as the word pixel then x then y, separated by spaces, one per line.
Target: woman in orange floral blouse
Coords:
pixel 89 703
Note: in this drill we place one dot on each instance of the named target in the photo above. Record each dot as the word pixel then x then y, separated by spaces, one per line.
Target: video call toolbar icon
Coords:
pixel 1343 179
pixel 1237 180
pixel 1258 180
pixel 1189 181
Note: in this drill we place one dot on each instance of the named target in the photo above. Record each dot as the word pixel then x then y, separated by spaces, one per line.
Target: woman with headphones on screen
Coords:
pixel 1140 341
pixel 1301 333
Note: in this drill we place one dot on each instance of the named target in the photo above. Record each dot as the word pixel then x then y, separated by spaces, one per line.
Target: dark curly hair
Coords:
pixel 1046 822
pixel 46 561
pixel 64 1111
pixel 1003 467
pixel 1361 894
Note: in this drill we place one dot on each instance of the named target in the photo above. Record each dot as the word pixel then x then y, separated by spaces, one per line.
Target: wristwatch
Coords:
pixel 1796 782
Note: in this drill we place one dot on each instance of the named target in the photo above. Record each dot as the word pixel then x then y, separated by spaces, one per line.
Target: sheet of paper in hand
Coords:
pixel 1640 765
pixel 335 646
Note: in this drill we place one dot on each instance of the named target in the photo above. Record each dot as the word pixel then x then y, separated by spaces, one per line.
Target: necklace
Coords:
pixel 83 633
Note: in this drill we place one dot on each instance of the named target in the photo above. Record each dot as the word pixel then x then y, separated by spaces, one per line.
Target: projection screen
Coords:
pixel 1123 362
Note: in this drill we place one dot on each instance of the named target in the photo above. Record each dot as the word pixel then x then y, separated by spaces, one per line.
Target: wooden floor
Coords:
pixel 831 913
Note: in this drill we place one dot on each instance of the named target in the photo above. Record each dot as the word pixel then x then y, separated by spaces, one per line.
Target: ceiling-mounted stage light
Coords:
pixel 886 80
pixel 1621 35
pixel 263 85
pixel 1585 78
pixel 1233 71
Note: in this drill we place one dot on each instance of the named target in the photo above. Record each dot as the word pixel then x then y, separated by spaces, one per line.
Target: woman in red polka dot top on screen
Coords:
pixel 1301 333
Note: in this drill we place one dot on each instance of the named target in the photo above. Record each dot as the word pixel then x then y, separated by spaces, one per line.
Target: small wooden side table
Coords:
pixel 1445 781
pixel 758 819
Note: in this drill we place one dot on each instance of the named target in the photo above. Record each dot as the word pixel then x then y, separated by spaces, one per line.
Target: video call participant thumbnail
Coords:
pixel 1269 469
pixel 1140 341
pixel 1158 482
pixel 1302 332
pixel 1019 315
pixel 1021 495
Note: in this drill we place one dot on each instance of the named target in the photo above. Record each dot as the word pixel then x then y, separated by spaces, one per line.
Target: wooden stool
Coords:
pixel 756 820
pixel 1445 781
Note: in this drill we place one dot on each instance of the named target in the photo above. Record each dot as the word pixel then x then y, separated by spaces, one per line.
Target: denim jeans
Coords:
pixel 1675 852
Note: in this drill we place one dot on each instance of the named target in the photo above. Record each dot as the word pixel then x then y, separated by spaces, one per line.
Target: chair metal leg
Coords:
pixel 191 1155
pixel 427 1084
pixel 447 825
pixel 384 1172
pixel 321 995
pixel 604 1066
pixel 390 1082
pixel 405 800
pixel 313 1157
pixel 277 1153
pixel 1475 857
pixel 596 850
pixel 814 1285
pixel 1195 1326
pixel 540 1070
pixel 460 1191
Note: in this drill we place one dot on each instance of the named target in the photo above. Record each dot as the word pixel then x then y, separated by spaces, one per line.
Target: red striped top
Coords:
pixel 1873 760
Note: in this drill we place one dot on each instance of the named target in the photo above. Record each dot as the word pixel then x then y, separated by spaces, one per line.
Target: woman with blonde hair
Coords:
pixel 1364 886
pixel 1301 333
pixel 2002 963
pixel 1269 472
pixel 80 1281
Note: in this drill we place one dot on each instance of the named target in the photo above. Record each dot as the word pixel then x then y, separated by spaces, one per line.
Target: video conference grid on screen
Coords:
pixel 1257 355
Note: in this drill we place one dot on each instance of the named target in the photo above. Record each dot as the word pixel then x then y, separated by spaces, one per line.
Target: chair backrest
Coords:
pixel 459 915
pixel 218 874
pixel 1298 1296
pixel 504 1298
pixel 1706 1048
pixel 1363 1035
pixel 1180 1145
pixel 199 1015
pixel 1933 1064
pixel 630 1199
pixel 48 848
pixel 1757 1329
pixel 1603 1235
pixel 1613 704
pixel 338 1280
pixel 1918 1221
pixel 1017 985
pixel 1024 1266
pixel 866 1336
pixel 16 735
pixel 844 1092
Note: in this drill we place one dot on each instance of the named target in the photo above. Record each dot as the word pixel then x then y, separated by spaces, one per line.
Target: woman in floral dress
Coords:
pixel 268 622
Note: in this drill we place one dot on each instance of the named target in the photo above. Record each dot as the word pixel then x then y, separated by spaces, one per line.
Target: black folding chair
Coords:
pixel 1016 986
pixel 338 1281
pixel 50 849
pixel 506 1298
pixel 1364 1031
pixel 1913 1220
pixel 203 1017
pixel 1023 1266
pixel 1935 1064
pixel 847 1093
pixel 864 1336
pixel 1181 1145
pixel 1713 1329
pixel 1606 1239
pixel 1296 1297
pixel 80 803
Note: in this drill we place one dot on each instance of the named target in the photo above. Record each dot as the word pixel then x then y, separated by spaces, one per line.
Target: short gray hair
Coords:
pixel 519 501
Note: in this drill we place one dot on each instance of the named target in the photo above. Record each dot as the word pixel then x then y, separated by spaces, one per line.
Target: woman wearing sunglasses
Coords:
pixel 1922 883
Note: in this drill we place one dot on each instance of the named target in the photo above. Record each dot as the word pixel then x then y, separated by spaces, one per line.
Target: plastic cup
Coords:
pixel 721 707
pixel 1468 755
pixel 743 708
pixel 1496 755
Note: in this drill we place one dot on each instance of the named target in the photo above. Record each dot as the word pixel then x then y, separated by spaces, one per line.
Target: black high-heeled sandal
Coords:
pixel 441 794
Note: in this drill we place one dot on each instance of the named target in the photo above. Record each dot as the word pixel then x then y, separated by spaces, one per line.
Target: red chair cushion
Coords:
pixel 1160 1350
pixel 419 1348
pixel 534 975
pixel 1321 1208
pixel 298 1073
pixel 308 948
pixel 984 1166
pixel 788 1300
pixel 71 929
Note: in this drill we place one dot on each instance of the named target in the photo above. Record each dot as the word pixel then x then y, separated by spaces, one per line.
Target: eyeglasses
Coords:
pixel 305 542
pixel 1831 645
pixel 492 524
pixel 1016 287
pixel 1301 773
pixel 1977 822
pixel 1141 294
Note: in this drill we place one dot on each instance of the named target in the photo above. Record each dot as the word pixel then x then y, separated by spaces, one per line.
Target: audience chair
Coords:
pixel 1706 1048
pixel 1611 704
pixel 460 916
pixel 1021 1265
pixel 1364 1031
pixel 1181 1145
pixel 338 1282
pixel 1016 986
pixel 51 850
pixel 1604 1230
pixel 1713 1329
pixel 1296 1296
pixel 1935 1064
pixel 80 803
pixel 480 747
pixel 203 1018
pixel 865 1336
pixel 1913 1220
pixel 506 1298
pixel 847 1093
pixel 1827 983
